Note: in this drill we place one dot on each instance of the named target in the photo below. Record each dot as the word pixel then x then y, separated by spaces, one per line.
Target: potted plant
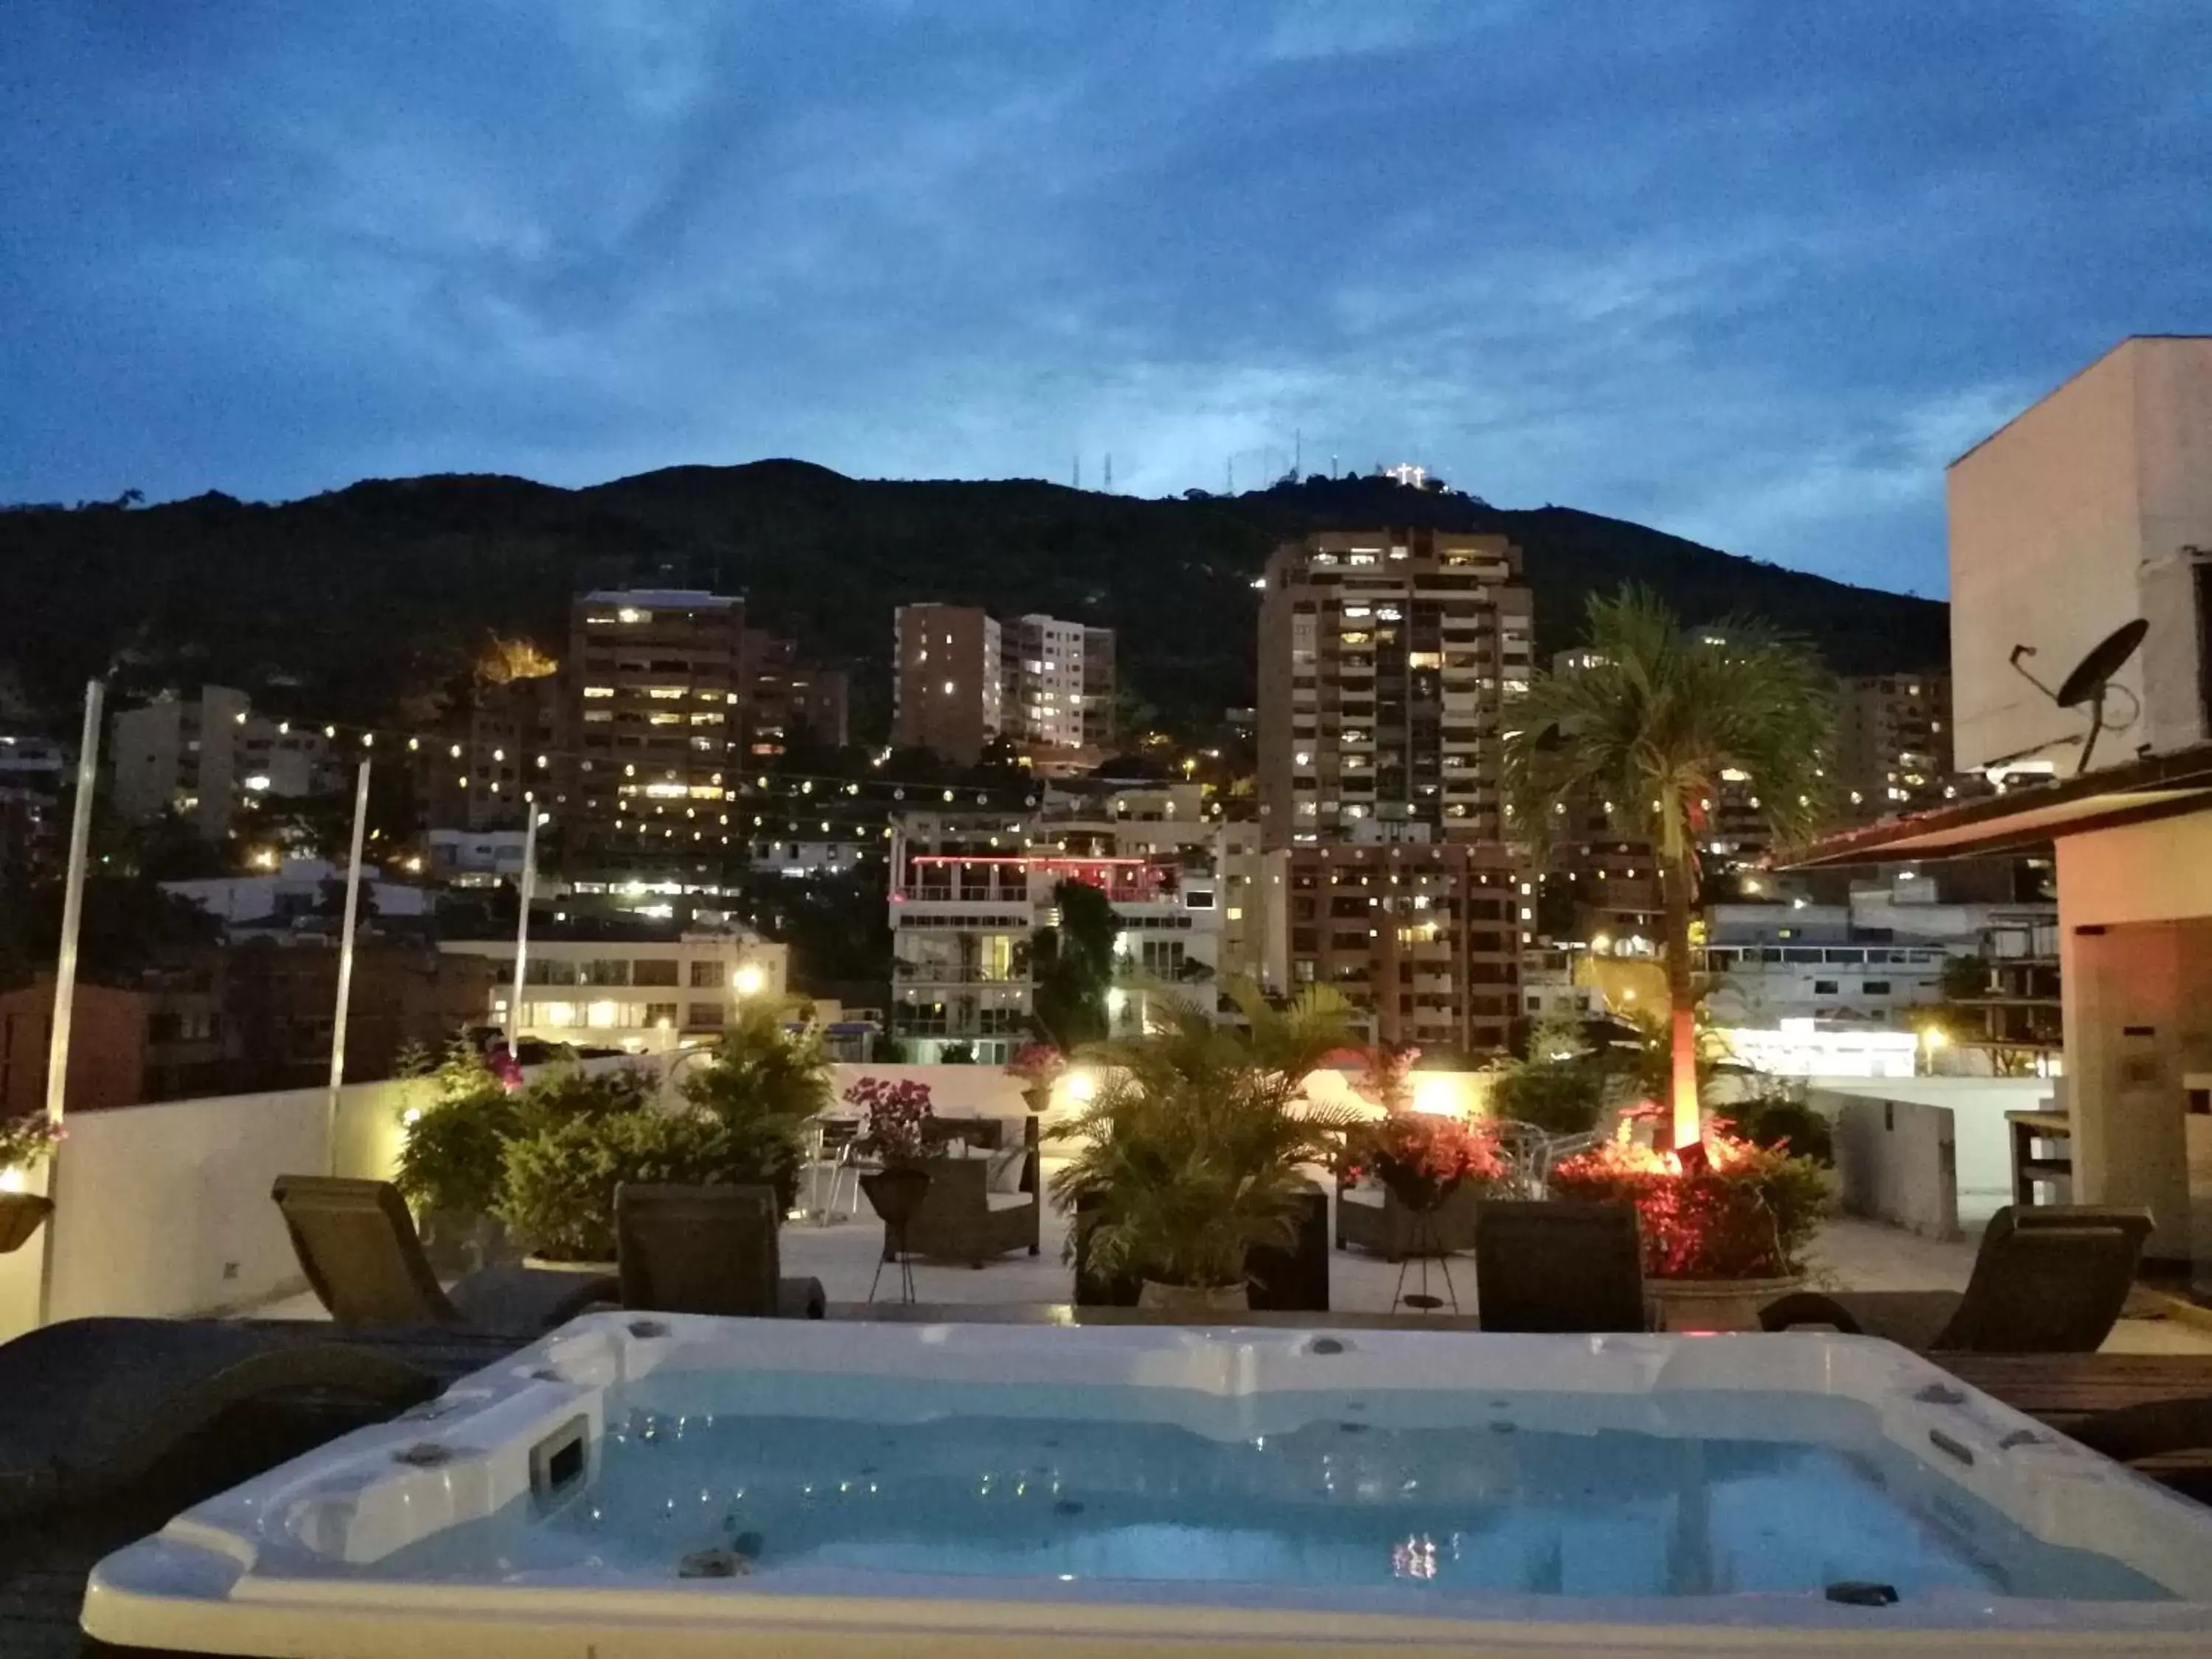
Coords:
pixel 1725 1222
pixel 764 1085
pixel 1423 1157
pixel 26 1141
pixel 452 1156
pixel 892 1116
pixel 892 1130
pixel 1039 1066
pixel 1193 1150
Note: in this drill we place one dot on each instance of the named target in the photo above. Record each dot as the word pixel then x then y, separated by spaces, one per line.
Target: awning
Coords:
pixel 2025 819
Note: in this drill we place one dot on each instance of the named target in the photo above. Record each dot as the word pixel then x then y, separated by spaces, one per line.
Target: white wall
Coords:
pixel 165 1211
pixel 1980 1137
pixel 2137 1001
pixel 1893 1161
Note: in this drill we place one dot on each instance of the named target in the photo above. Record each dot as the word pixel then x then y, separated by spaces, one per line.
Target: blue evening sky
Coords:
pixel 1750 271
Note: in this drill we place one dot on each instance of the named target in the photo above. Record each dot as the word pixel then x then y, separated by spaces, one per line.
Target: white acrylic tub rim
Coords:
pixel 252 1571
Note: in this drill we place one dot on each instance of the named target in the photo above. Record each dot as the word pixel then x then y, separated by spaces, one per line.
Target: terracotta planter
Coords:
pixel 1714 1305
pixel 1193 1298
pixel 1038 1098
pixel 21 1214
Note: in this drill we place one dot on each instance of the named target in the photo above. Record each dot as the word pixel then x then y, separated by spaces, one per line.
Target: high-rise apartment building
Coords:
pixel 658 702
pixel 503 742
pixel 1388 659
pixel 946 679
pixel 1099 726
pixel 1425 939
pixel 206 758
pixel 962 679
pixel 1042 695
pixel 784 694
pixel 1893 750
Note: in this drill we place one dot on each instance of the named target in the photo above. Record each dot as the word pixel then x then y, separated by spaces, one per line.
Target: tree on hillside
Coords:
pixel 1650 728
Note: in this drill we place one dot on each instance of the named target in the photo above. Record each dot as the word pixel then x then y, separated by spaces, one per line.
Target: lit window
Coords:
pixel 598 690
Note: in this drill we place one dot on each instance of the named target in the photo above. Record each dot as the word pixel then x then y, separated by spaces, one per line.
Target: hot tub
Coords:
pixel 644 1485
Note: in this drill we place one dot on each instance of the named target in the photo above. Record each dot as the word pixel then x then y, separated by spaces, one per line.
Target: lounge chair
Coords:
pixel 1281 1278
pixel 358 1247
pixel 706 1251
pixel 962 1220
pixel 2168 1440
pixel 2049 1279
pixel 1371 1216
pixel 1558 1265
pixel 92 1404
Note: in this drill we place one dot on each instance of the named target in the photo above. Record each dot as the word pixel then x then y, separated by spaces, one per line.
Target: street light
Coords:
pixel 747 980
pixel 1932 1038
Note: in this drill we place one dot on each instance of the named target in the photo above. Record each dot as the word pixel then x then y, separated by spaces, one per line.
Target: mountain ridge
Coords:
pixel 351 600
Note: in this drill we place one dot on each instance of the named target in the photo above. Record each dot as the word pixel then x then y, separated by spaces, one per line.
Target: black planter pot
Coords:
pixel 21 1216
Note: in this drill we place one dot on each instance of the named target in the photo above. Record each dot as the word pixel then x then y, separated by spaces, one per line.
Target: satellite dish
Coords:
pixel 2091 680
pixel 2105 659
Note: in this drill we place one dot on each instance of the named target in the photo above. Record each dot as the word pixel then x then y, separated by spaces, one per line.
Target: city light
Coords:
pixel 747 980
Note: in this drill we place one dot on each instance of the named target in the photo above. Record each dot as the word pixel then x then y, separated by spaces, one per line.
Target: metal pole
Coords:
pixel 345 962
pixel 522 930
pixel 57 1041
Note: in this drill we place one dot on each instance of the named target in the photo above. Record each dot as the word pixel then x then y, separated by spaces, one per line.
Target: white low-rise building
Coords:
pixel 476 858
pixel 296 891
pixel 633 992
pixel 969 891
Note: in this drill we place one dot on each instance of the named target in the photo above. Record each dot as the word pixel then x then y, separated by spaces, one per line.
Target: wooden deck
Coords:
pixel 44 1560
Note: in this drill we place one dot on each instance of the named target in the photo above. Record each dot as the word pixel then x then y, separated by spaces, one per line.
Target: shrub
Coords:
pixel 573 1092
pixel 452 1156
pixel 1785 1123
pixel 1564 1097
pixel 558 1190
pixel 1741 1210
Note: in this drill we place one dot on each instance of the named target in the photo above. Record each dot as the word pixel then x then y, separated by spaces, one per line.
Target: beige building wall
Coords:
pixel 2065 524
pixel 2135 960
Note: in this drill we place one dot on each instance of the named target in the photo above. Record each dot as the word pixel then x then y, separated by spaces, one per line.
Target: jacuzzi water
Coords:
pixel 644 1485
pixel 1440 1493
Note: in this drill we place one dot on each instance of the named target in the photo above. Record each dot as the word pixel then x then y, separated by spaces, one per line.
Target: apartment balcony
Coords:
pixel 955 974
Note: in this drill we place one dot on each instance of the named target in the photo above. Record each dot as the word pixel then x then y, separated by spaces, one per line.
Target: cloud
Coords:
pixel 1748 273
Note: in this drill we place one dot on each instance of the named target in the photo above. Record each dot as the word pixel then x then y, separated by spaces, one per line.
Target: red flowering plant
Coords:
pixel 894 1112
pixel 26 1140
pixel 1730 1209
pixel 1423 1157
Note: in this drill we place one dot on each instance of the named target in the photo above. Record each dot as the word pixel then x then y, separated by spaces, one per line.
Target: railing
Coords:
pixel 934 973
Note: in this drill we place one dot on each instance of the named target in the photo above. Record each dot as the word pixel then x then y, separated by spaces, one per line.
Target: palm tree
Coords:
pixel 1650 727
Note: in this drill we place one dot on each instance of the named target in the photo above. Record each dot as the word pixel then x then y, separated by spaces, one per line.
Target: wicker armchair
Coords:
pixel 1372 1217
pixel 961 1219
